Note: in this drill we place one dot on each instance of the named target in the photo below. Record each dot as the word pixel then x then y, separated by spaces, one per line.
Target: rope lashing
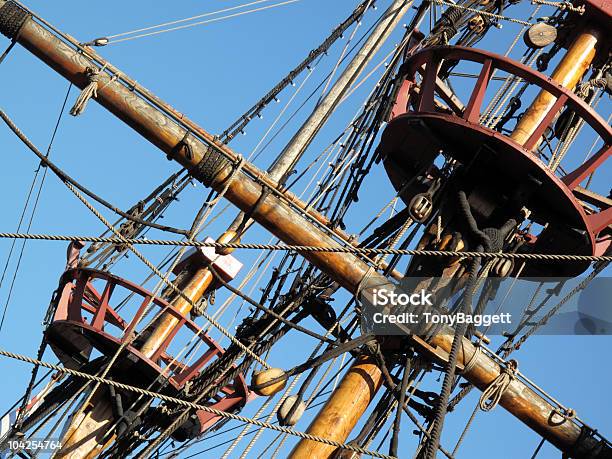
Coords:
pixel 12 18
pixel 91 90
pixel 491 396
pixel 596 83
pixel 469 366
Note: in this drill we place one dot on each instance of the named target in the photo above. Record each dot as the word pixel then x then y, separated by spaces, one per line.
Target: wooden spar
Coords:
pixel 364 379
pixel 194 290
pixel 273 212
pixel 289 157
pixel 300 141
pixel 342 410
pixel 84 437
pixel 276 215
pixel 568 73
pixel 304 136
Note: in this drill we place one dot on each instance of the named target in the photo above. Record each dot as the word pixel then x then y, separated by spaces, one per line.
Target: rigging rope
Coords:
pixel 238 125
pixel 183 121
pixel 208 21
pixel 34 207
pixel 149 264
pixel 483 13
pixel 486 244
pixel 443 254
pixel 310 248
pixel 179 21
pixel 192 405
pixel 162 435
pixel 569 6
pixel 123 240
pixel 491 396
pixel 69 180
pixel 266 310
pixel 7 50
pixel 196 226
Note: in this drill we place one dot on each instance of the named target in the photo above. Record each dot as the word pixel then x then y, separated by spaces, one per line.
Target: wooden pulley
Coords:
pixel 265 376
pixel 477 24
pixel 502 267
pixel 283 413
pixel 540 35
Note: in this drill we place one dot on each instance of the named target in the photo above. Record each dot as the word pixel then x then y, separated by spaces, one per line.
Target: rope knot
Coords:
pixel 165 409
pixel 584 89
pixel 91 90
pixel 492 395
pixel 187 388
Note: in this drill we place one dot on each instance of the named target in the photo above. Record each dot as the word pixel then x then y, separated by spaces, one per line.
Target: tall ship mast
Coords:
pixel 256 331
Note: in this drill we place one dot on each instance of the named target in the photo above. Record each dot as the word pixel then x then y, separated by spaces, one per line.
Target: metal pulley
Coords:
pixel 100 41
pixel 284 414
pixel 540 35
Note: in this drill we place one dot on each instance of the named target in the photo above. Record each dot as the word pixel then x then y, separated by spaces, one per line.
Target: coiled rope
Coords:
pixel 491 396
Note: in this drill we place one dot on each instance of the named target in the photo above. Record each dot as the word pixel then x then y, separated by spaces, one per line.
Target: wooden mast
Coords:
pixel 342 410
pixel 359 385
pixel 194 291
pixel 162 126
pixel 568 73
pixel 87 429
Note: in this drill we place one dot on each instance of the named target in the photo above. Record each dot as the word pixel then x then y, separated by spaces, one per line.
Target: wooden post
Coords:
pixel 84 438
pixel 343 409
pixel 568 73
pixel 159 124
pixel 194 290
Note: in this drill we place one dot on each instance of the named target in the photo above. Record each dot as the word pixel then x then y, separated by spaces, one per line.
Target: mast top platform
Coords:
pixel 421 128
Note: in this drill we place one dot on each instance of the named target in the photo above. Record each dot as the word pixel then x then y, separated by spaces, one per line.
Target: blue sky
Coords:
pixel 213 73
